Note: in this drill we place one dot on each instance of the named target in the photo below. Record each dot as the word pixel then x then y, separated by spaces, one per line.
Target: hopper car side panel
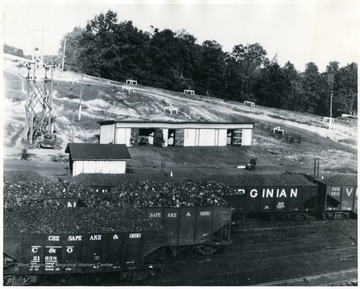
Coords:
pixel 204 225
pixel 253 201
pixel 80 253
pixel 191 225
pixel 187 227
pixel 339 198
pixel 296 204
pixel 276 199
pixel 348 198
pixel 338 201
pixel 309 199
pixel 355 201
pixel 171 221
pixel 281 200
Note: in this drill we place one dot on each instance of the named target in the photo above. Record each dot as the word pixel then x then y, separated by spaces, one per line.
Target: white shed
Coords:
pixel 92 158
pixel 187 134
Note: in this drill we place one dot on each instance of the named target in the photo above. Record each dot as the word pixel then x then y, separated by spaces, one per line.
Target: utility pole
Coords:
pixel 331 97
pixel 36 57
pixel 316 167
pixel 42 46
pixel 331 84
pixel 63 58
pixel 81 93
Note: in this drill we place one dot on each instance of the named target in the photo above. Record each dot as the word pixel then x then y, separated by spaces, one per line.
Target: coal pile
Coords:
pixel 80 221
pixel 132 193
pixel 111 180
pixel 23 175
pixel 157 194
pixel 41 193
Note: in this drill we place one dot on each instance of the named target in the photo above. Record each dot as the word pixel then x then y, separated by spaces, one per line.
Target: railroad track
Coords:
pixel 277 252
pixel 318 253
pixel 342 278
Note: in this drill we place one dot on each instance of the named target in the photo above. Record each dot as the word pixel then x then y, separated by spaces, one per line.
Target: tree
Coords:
pixel 189 60
pixel 232 78
pixel 211 73
pixel 249 60
pixel 173 59
pixel 345 90
pixel 13 51
pixel 102 24
pixel 312 84
pixel 272 87
pixel 98 45
pixel 130 52
pixel 326 92
pixel 72 49
pixel 294 98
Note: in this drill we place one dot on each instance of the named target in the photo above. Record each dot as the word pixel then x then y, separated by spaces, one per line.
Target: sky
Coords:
pixel 299 31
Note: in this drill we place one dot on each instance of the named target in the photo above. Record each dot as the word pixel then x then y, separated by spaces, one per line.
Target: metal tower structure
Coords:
pixel 38 108
pixel 38 53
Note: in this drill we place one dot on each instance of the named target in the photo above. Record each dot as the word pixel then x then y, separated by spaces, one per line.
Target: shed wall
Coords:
pixel 222 140
pixel 107 133
pixel 192 136
pixel 247 137
pixel 99 167
pixel 123 136
pixel 205 137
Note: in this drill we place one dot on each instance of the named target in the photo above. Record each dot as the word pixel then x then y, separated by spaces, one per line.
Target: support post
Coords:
pixel 330 121
pixel 81 93
pixel 316 168
pixel 63 58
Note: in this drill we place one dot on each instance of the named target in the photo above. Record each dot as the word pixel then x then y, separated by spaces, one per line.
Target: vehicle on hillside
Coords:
pixel 47 141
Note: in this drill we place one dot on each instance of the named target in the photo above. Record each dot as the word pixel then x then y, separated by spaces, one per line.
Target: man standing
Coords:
pixel 24 154
pixel 253 164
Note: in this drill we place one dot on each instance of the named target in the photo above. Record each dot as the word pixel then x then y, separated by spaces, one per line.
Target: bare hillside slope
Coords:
pixel 107 100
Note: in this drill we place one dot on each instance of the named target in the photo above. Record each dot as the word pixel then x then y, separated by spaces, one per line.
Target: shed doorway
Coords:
pixel 176 137
pixel 234 137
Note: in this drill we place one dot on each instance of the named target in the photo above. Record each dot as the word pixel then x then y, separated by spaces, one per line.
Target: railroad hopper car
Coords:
pixel 285 196
pixel 201 223
pixel 93 241
pixel 338 196
pixel 202 228
pixel 194 229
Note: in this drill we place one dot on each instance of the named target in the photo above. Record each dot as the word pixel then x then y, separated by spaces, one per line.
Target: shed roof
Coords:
pixel 103 122
pixel 178 124
pixel 95 151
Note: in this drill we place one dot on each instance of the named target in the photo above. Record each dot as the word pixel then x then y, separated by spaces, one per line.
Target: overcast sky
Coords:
pixel 299 31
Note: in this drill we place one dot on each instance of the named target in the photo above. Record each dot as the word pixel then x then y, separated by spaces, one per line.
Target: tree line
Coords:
pixel 175 61
pixel 13 50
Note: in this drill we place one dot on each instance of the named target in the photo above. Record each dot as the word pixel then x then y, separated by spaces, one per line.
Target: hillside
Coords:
pixel 105 100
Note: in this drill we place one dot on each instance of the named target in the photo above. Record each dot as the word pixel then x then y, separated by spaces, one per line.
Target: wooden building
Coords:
pixel 90 158
pixel 187 134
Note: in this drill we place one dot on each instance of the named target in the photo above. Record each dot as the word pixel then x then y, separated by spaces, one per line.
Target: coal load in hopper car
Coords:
pixel 194 215
pixel 196 218
pixel 43 194
pixel 48 241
